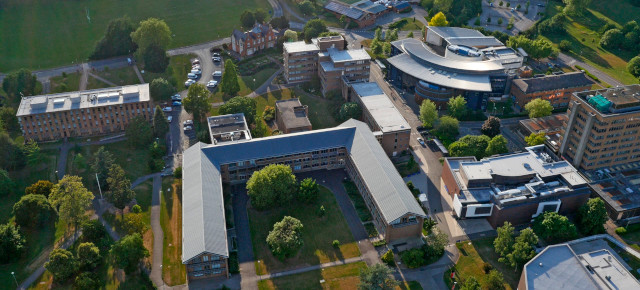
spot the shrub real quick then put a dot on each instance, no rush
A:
(621, 230)
(388, 258)
(336, 244)
(486, 267)
(269, 113)
(564, 45)
(413, 258)
(136, 209)
(379, 243)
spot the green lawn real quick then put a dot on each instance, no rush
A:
(471, 261)
(173, 271)
(410, 25)
(121, 76)
(42, 33)
(404, 169)
(60, 84)
(318, 234)
(337, 277)
(583, 34)
(260, 78)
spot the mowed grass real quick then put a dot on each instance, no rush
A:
(260, 78)
(411, 24)
(173, 271)
(337, 277)
(472, 257)
(42, 33)
(318, 234)
(582, 33)
(121, 76)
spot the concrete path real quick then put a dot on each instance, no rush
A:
(140, 78)
(101, 79)
(311, 268)
(158, 234)
(290, 12)
(84, 78)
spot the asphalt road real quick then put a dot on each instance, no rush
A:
(570, 61)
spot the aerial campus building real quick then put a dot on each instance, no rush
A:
(454, 61)
(83, 113)
(350, 146)
(513, 187)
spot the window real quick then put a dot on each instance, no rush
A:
(205, 258)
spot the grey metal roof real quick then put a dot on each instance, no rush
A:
(378, 104)
(553, 82)
(470, 82)
(203, 222)
(344, 9)
(475, 41)
(447, 32)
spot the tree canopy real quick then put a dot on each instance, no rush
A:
(20, 81)
(447, 127)
(247, 19)
(161, 90)
(155, 59)
(378, 276)
(33, 210)
(120, 193)
(128, 252)
(273, 185)
(197, 101)
(42, 187)
(160, 123)
(537, 49)
(470, 145)
(457, 107)
(88, 256)
(12, 244)
(538, 108)
(229, 83)
(100, 164)
(313, 28)
(62, 264)
(350, 110)
(592, 216)
(11, 153)
(497, 145)
(290, 36)
(554, 228)
(71, 199)
(116, 40)
(309, 190)
(428, 113)
(523, 249)
(439, 20)
(576, 7)
(491, 127)
(8, 120)
(634, 66)
(139, 133)
(239, 104)
(535, 139)
(260, 15)
(503, 244)
(286, 238)
(152, 31)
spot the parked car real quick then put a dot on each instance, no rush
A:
(187, 122)
(216, 74)
(176, 103)
(212, 84)
(216, 54)
(176, 97)
(195, 66)
(189, 82)
(167, 109)
(540, 5)
(192, 76)
(169, 118)
(421, 141)
(216, 59)
(195, 61)
(196, 72)
(187, 128)
(129, 61)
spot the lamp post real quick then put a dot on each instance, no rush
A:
(14, 279)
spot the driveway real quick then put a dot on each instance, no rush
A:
(248, 277)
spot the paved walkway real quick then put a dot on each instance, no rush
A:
(570, 61)
(140, 78)
(84, 78)
(158, 235)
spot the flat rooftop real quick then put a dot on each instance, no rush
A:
(83, 99)
(380, 107)
(559, 267)
(621, 190)
(299, 46)
(613, 100)
(348, 55)
(293, 113)
(225, 128)
(553, 123)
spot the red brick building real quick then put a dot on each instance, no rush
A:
(557, 89)
(260, 37)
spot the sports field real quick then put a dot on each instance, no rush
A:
(42, 34)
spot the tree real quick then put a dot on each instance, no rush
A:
(392, 36)
(87, 281)
(229, 83)
(537, 49)
(152, 31)
(71, 199)
(273, 185)
(269, 113)
(6, 184)
(503, 244)
(32, 151)
(62, 264)
(460, 149)
(471, 283)
(260, 15)
(612, 38)
(161, 90)
(42, 187)
(377, 34)
(535, 139)
(523, 249)
(286, 238)
(247, 19)
(116, 40)
(100, 164)
(350, 110)
(139, 133)
(439, 20)
(19, 82)
(554, 228)
(447, 127)
(120, 193)
(497, 145)
(378, 276)
(88, 256)
(8, 120)
(155, 59)
(313, 28)
(290, 36)
(33, 210)
(538, 108)
(634, 66)
(500, 21)
(11, 154)
(128, 252)
(306, 7)
(491, 127)
(133, 223)
(428, 113)
(12, 244)
(476, 145)
(564, 45)
(160, 123)
(435, 243)
(309, 190)
(93, 231)
(592, 216)
(279, 22)
(495, 280)
(576, 7)
(413, 258)
(457, 107)
(197, 101)
(410, 35)
(244, 105)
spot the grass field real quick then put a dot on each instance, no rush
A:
(173, 271)
(473, 256)
(42, 33)
(317, 234)
(410, 25)
(121, 76)
(260, 78)
(583, 34)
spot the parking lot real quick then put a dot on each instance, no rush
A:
(522, 21)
